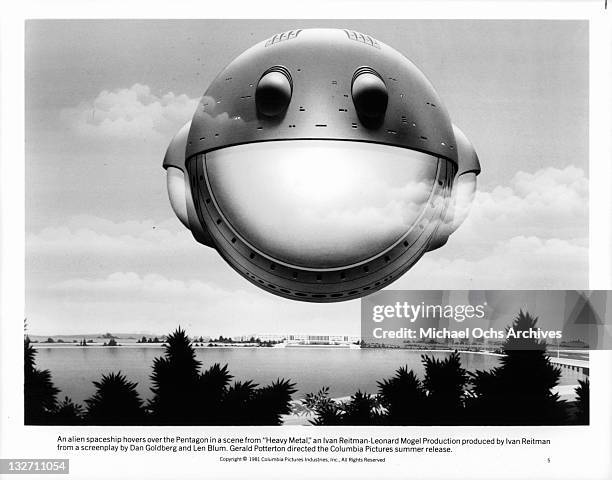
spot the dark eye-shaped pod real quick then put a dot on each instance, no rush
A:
(273, 92)
(369, 93)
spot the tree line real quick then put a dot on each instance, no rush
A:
(516, 392)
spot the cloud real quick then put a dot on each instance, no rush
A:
(127, 301)
(549, 203)
(92, 246)
(130, 113)
(126, 286)
(516, 263)
(87, 234)
(131, 302)
(529, 234)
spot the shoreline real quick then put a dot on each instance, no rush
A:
(301, 347)
(96, 345)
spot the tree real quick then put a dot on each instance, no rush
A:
(175, 382)
(326, 411)
(360, 409)
(582, 402)
(329, 414)
(518, 392)
(68, 413)
(40, 395)
(271, 402)
(313, 401)
(116, 402)
(445, 382)
(403, 398)
(184, 396)
(236, 406)
(211, 391)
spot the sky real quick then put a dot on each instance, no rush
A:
(104, 251)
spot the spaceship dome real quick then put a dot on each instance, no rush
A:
(320, 164)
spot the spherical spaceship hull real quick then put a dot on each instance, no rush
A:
(299, 280)
(321, 164)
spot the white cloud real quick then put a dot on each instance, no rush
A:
(530, 234)
(86, 234)
(126, 286)
(127, 301)
(517, 263)
(90, 246)
(549, 203)
(129, 113)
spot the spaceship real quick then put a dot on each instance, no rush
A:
(321, 164)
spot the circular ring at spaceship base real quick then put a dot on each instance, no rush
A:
(321, 165)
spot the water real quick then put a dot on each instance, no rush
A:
(343, 370)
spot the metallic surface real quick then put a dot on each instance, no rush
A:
(175, 184)
(468, 159)
(370, 95)
(464, 190)
(322, 63)
(320, 284)
(175, 158)
(273, 92)
(462, 197)
(320, 203)
(175, 154)
(321, 165)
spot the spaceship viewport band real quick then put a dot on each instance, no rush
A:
(321, 174)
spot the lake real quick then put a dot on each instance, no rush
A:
(343, 370)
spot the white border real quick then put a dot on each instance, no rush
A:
(578, 452)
